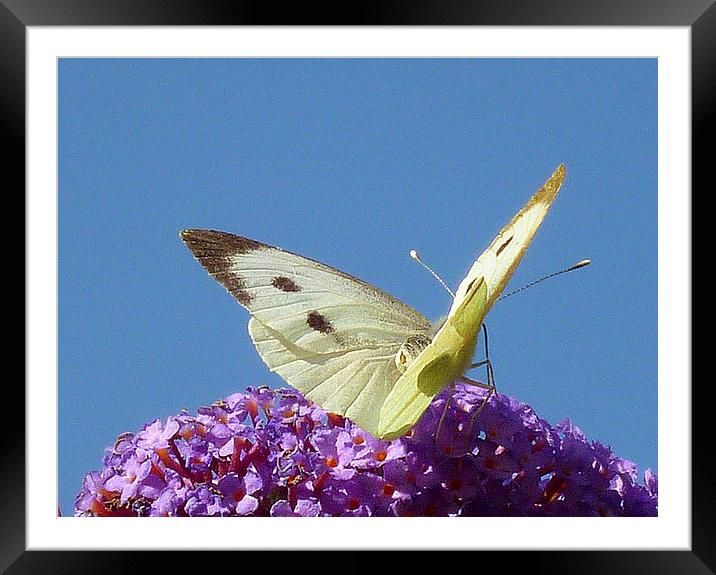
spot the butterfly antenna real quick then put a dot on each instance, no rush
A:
(576, 266)
(416, 257)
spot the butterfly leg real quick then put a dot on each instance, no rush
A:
(476, 383)
(488, 366)
(490, 385)
(444, 413)
(491, 391)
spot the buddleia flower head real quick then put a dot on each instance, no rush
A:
(271, 452)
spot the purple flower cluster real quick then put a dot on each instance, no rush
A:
(273, 453)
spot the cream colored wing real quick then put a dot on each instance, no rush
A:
(353, 383)
(328, 334)
(499, 261)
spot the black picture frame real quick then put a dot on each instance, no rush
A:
(17, 15)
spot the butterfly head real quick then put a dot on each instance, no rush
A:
(411, 349)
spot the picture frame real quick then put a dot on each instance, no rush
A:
(700, 17)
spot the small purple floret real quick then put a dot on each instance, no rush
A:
(273, 453)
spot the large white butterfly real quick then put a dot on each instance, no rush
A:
(350, 347)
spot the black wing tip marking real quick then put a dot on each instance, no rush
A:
(217, 243)
(214, 250)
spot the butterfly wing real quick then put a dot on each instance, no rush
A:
(330, 335)
(452, 347)
(499, 261)
(353, 383)
(443, 361)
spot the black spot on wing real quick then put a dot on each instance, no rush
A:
(503, 246)
(319, 323)
(472, 283)
(285, 284)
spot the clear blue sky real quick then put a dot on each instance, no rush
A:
(353, 163)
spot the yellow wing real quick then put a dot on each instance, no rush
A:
(500, 260)
(450, 351)
(443, 361)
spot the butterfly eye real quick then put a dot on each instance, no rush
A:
(401, 361)
(410, 350)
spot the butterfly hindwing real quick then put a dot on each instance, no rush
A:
(443, 361)
(353, 383)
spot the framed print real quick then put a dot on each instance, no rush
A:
(162, 145)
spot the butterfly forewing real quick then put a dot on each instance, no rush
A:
(499, 261)
(313, 306)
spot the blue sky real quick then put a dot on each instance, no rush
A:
(353, 163)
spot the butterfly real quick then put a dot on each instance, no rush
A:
(350, 347)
